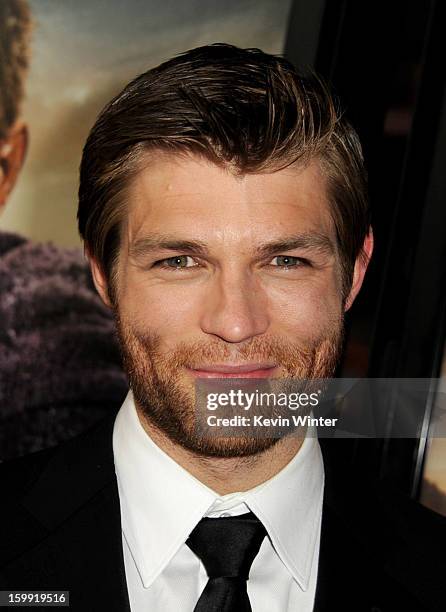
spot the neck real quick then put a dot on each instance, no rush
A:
(224, 475)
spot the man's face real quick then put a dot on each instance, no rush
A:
(12, 155)
(224, 276)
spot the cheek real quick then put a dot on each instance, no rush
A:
(169, 311)
(306, 310)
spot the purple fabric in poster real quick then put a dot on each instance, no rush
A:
(59, 362)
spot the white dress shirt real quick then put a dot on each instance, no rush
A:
(161, 503)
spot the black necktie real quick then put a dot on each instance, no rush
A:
(227, 547)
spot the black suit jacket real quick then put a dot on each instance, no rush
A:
(61, 530)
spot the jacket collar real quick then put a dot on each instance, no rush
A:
(76, 499)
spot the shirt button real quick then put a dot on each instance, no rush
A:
(225, 514)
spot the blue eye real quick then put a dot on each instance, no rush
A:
(287, 261)
(176, 263)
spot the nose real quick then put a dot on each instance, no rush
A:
(235, 309)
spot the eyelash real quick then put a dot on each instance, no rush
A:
(162, 263)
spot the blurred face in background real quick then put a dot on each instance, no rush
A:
(15, 28)
(12, 155)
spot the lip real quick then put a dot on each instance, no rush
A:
(228, 370)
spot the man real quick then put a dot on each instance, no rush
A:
(60, 368)
(223, 207)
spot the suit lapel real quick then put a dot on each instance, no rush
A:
(361, 550)
(76, 500)
(343, 579)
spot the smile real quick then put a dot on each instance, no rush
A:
(225, 370)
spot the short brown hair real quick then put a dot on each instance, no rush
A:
(15, 29)
(240, 108)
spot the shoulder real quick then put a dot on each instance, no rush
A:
(41, 490)
(91, 448)
(18, 474)
(19, 528)
(367, 503)
(392, 544)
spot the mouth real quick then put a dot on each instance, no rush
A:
(227, 370)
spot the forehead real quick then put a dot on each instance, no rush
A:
(198, 199)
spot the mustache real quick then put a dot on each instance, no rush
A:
(294, 357)
(195, 354)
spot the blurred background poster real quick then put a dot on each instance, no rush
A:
(82, 53)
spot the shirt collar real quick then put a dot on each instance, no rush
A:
(290, 507)
(161, 502)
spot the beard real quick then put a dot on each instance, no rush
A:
(166, 400)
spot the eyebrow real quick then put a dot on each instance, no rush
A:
(157, 242)
(312, 242)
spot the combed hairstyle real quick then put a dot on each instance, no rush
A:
(242, 109)
(15, 26)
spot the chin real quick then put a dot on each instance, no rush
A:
(227, 448)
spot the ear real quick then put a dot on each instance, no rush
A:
(100, 282)
(12, 155)
(361, 264)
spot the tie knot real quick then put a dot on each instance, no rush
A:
(227, 546)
